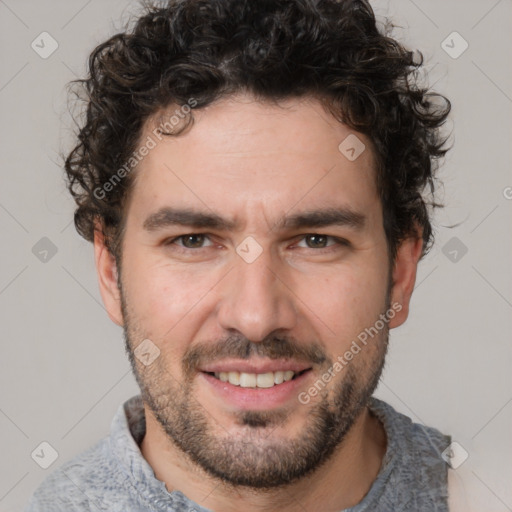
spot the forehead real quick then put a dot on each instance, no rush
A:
(242, 154)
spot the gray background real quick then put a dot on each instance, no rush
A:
(64, 372)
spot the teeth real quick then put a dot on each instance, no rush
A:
(288, 375)
(278, 377)
(253, 380)
(265, 380)
(247, 380)
(234, 378)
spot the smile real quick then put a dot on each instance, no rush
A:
(256, 380)
(256, 384)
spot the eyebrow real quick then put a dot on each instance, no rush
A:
(318, 218)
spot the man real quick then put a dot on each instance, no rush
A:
(251, 175)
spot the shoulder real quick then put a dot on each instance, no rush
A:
(403, 433)
(97, 477)
(78, 484)
(415, 456)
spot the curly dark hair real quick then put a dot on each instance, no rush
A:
(209, 49)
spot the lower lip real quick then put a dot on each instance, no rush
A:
(257, 398)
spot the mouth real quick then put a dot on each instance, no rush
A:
(255, 385)
(257, 380)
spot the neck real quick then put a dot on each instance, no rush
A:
(340, 483)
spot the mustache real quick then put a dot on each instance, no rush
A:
(239, 347)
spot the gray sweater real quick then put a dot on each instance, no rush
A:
(113, 475)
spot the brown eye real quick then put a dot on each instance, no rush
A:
(190, 241)
(319, 241)
(316, 241)
(322, 243)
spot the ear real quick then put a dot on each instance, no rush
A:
(106, 269)
(404, 277)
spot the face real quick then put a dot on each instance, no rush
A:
(254, 260)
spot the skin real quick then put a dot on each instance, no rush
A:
(255, 163)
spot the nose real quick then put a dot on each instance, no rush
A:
(256, 300)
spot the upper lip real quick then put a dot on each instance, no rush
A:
(264, 366)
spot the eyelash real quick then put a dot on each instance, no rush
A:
(340, 242)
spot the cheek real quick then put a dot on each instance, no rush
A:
(163, 295)
(346, 301)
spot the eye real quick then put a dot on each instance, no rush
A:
(196, 241)
(190, 241)
(319, 241)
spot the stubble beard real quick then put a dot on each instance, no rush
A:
(255, 457)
